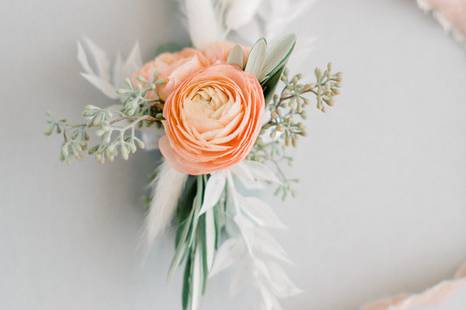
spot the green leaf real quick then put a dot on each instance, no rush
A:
(219, 222)
(270, 84)
(187, 283)
(197, 280)
(197, 204)
(193, 281)
(202, 248)
(182, 246)
(185, 205)
(210, 241)
(236, 56)
(278, 55)
(185, 239)
(195, 241)
(49, 130)
(256, 58)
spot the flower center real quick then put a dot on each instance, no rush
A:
(210, 109)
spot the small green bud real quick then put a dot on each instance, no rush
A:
(132, 147)
(287, 140)
(307, 87)
(124, 151)
(318, 74)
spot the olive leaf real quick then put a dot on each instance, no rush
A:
(256, 58)
(236, 56)
(277, 56)
(269, 85)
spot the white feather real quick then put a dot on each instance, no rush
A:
(167, 190)
(203, 22)
(101, 84)
(83, 60)
(123, 69)
(281, 15)
(240, 12)
(100, 76)
(118, 70)
(100, 58)
(247, 20)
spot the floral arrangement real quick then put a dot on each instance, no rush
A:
(224, 116)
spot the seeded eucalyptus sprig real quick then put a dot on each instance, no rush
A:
(140, 98)
(287, 111)
(115, 131)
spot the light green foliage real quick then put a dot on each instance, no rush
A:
(236, 56)
(192, 240)
(268, 62)
(256, 58)
(287, 112)
(115, 131)
(135, 100)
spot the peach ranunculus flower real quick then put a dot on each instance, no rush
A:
(212, 120)
(218, 52)
(173, 68)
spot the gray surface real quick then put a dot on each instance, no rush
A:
(381, 206)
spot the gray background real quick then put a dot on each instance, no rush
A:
(381, 206)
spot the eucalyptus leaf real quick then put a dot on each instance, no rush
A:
(236, 56)
(256, 59)
(277, 55)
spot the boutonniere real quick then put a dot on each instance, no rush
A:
(224, 116)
